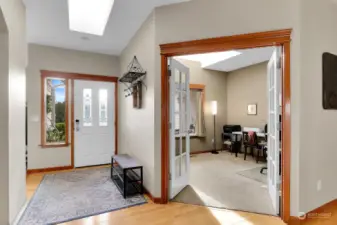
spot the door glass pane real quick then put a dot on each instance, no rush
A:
(183, 144)
(183, 113)
(177, 167)
(183, 164)
(176, 113)
(103, 107)
(183, 81)
(87, 107)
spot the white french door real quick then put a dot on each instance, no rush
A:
(274, 126)
(94, 110)
(179, 127)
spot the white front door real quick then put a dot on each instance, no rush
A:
(274, 144)
(179, 127)
(94, 122)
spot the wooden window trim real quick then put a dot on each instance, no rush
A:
(200, 87)
(44, 144)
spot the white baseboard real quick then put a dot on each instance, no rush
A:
(18, 217)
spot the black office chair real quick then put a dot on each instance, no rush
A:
(249, 141)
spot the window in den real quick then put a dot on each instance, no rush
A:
(197, 115)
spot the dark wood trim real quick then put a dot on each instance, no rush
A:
(49, 169)
(153, 199)
(164, 130)
(43, 113)
(78, 76)
(242, 41)
(286, 134)
(198, 86)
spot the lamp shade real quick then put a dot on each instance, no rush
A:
(214, 107)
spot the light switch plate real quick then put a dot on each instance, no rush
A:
(319, 185)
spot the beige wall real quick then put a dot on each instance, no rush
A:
(56, 59)
(318, 126)
(200, 19)
(4, 124)
(136, 126)
(12, 133)
(215, 90)
(247, 86)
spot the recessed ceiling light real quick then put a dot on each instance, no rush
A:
(210, 58)
(89, 16)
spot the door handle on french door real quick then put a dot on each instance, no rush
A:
(77, 125)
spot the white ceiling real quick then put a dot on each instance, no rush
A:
(247, 57)
(47, 24)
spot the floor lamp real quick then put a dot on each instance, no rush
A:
(214, 112)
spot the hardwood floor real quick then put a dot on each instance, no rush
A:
(170, 214)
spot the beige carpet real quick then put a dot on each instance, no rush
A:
(224, 181)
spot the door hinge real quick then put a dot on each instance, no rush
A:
(279, 63)
(169, 72)
(170, 126)
(279, 125)
(170, 176)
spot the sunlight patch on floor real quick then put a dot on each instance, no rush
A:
(226, 217)
(206, 198)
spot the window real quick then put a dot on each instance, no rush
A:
(54, 113)
(103, 107)
(87, 107)
(197, 118)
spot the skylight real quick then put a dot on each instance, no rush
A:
(89, 16)
(210, 58)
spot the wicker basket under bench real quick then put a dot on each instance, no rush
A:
(127, 174)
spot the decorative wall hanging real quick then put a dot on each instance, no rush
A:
(329, 81)
(252, 109)
(133, 80)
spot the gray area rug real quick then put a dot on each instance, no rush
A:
(255, 174)
(73, 195)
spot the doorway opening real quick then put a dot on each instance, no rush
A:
(176, 142)
(221, 106)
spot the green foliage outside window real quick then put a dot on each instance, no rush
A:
(49, 104)
(57, 133)
(60, 110)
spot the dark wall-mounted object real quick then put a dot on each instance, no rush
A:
(133, 80)
(329, 81)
